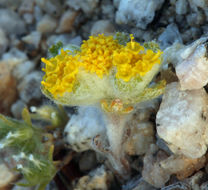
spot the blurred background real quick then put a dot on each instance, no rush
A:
(29, 27)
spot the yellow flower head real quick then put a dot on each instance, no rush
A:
(97, 54)
(60, 73)
(132, 60)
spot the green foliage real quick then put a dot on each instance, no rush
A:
(54, 49)
(152, 45)
(37, 170)
(55, 115)
(33, 157)
(122, 37)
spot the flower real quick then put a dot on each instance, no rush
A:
(60, 73)
(97, 54)
(101, 68)
(133, 60)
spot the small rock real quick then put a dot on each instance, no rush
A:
(8, 90)
(87, 161)
(193, 70)
(177, 186)
(138, 33)
(107, 9)
(86, 28)
(143, 185)
(180, 20)
(28, 18)
(199, 3)
(38, 14)
(6, 176)
(168, 75)
(98, 179)
(162, 145)
(11, 22)
(82, 128)
(26, 7)
(140, 138)
(14, 55)
(181, 166)
(76, 40)
(66, 21)
(102, 27)
(191, 34)
(181, 120)
(52, 186)
(53, 39)
(196, 19)
(11, 4)
(47, 24)
(137, 183)
(196, 33)
(142, 115)
(149, 35)
(21, 70)
(152, 172)
(139, 12)
(181, 7)
(87, 6)
(171, 55)
(196, 180)
(29, 88)
(52, 7)
(116, 3)
(170, 36)
(17, 108)
(33, 39)
(168, 13)
(204, 186)
(4, 42)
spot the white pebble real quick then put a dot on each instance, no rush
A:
(181, 120)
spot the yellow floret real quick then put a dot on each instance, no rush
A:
(132, 60)
(60, 73)
(97, 54)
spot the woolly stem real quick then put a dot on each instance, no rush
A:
(115, 132)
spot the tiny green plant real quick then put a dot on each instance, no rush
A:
(33, 157)
(54, 49)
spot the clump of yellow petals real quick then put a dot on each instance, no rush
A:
(99, 54)
(134, 60)
(60, 73)
(96, 54)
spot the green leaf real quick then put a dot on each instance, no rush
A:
(23, 184)
(122, 37)
(26, 116)
(34, 158)
(42, 186)
(152, 45)
(7, 121)
(54, 49)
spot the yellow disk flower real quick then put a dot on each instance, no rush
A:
(132, 60)
(60, 73)
(97, 54)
